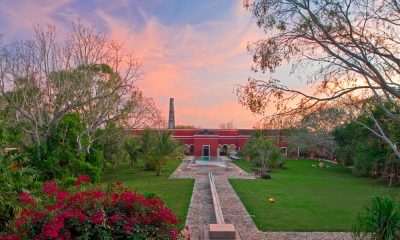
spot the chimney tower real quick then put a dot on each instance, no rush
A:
(171, 120)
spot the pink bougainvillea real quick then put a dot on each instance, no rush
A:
(115, 214)
(82, 179)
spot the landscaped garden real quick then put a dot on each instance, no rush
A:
(176, 193)
(307, 198)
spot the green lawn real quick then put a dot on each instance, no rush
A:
(307, 198)
(176, 193)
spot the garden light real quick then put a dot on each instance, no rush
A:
(271, 200)
(240, 172)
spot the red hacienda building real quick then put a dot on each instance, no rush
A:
(208, 142)
(205, 142)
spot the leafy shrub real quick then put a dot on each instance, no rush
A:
(381, 220)
(87, 213)
(15, 176)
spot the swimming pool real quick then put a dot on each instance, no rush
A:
(206, 159)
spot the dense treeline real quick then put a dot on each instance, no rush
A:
(359, 146)
(350, 137)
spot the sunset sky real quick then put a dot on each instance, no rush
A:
(194, 51)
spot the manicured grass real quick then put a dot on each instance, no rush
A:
(308, 198)
(176, 193)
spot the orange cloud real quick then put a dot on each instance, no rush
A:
(198, 65)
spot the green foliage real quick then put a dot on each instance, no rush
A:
(60, 157)
(15, 176)
(146, 150)
(132, 147)
(370, 155)
(10, 131)
(264, 151)
(112, 141)
(379, 221)
(165, 148)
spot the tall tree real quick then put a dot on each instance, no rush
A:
(44, 78)
(350, 47)
(314, 131)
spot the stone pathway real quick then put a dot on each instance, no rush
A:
(201, 210)
(234, 211)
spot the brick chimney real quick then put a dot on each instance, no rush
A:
(171, 119)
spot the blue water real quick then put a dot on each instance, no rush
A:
(207, 158)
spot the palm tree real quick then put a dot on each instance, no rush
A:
(132, 147)
(146, 149)
(165, 148)
(264, 150)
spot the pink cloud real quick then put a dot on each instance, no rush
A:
(198, 65)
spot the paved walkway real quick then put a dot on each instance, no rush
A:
(201, 210)
(234, 211)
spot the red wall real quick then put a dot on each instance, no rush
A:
(191, 136)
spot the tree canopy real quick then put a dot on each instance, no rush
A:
(349, 48)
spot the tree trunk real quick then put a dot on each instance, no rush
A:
(159, 170)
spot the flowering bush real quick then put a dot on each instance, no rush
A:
(87, 213)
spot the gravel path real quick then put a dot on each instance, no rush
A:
(201, 210)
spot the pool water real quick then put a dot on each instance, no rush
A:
(207, 159)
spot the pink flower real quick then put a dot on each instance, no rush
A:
(115, 218)
(82, 179)
(51, 229)
(26, 198)
(74, 213)
(97, 217)
(62, 195)
(127, 228)
(10, 237)
(50, 189)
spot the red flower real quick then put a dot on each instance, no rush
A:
(127, 228)
(62, 195)
(74, 213)
(115, 218)
(51, 229)
(97, 217)
(26, 198)
(10, 237)
(122, 211)
(50, 189)
(82, 179)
